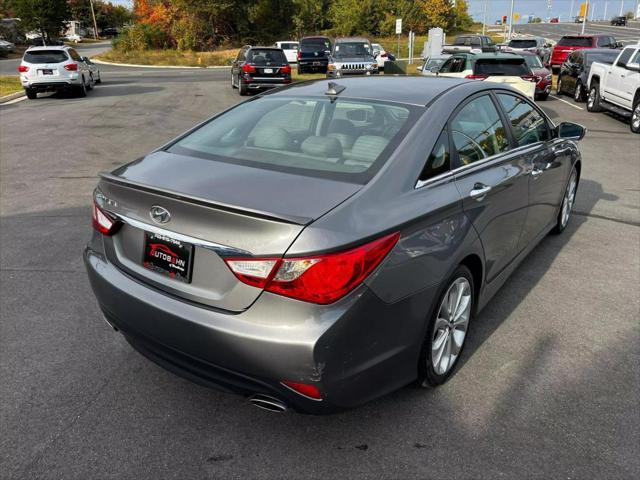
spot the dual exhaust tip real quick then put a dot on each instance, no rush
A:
(265, 402)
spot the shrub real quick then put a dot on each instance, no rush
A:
(141, 37)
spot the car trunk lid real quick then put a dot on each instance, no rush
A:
(216, 210)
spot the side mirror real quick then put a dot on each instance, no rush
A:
(635, 67)
(571, 131)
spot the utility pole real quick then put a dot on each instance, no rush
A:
(510, 21)
(621, 6)
(584, 19)
(484, 17)
(571, 11)
(95, 25)
(606, 4)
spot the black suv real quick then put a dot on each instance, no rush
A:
(259, 68)
(313, 54)
(477, 42)
(620, 21)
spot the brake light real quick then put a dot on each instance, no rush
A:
(530, 78)
(477, 77)
(72, 67)
(103, 222)
(384, 55)
(286, 69)
(305, 389)
(23, 68)
(299, 54)
(320, 279)
(246, 68)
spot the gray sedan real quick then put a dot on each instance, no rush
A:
(326, 243)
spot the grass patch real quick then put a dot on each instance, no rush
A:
(9, 84)
(296, 77)
(166, 58)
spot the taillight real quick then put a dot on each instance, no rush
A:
(320, 279)
(477, 77)
(246, 68)
(305, 389)
(299, 54)
(530, 78)
(285, 69)
(23, 68)
(103, 222)
(72, 67)
(384, 55)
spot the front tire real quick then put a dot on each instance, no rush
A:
(578, 94)
(447, 329)
(593, 102)
(635, 117)
(567, 203)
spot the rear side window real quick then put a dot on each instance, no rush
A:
(575, 42)
(604, 42)
(289, 46)
(501, 67)
(266, 57)
(624, 57)
(439, 159)
(341, 139)
(478, 131)
(453, 65)
(528, 125)
(467, 41)
(45, 56)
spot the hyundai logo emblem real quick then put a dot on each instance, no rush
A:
(159, 214)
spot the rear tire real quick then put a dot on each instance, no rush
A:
(543, 96)
(578, 93)
(593, 101)
(233, 85)
(568, 201)
(81, 91)
(242, 88)
(31, 93)
(559, 88)
(447, 332)
(635, 117)
(91, 83)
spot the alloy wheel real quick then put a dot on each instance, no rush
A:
(577, 94)
(592, 97)
(635, 118)
(450, 329)
(569, 198)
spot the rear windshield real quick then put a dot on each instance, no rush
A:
(289, 46)
(533, 61)
(315, 45)
(522, 43)
(603, 57)
(501, 67)
(46, 56)
(575, 42)
(467, 41)
(266, 57)
(351, 49)
(347, 140)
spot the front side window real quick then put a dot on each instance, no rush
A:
(478, 132)
(624, 57)
(343, 140)
(438, 161)
(75, 55)
(604, 42)
(528, 125)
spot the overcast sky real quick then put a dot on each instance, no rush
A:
(497, 8)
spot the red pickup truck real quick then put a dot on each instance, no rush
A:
(569, 43)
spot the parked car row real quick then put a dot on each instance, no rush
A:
(57, 68)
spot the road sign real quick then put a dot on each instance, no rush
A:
(398, 26)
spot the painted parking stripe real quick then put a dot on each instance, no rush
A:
(568, 103)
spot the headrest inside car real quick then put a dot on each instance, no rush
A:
(275, 138)
(327, 147)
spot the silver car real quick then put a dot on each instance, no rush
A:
(325, 243)
(54, 68)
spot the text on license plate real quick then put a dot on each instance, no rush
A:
(268, 70)
(168, 256)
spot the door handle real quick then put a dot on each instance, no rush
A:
(479, 191)
(536, 172)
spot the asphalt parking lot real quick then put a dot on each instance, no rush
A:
(548, 386)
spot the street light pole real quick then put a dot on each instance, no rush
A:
(571, 11)
(606, 4)
(621, 6)
(511, 21)
(484, 17)
(584, 19)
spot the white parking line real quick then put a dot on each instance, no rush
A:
(564, 101)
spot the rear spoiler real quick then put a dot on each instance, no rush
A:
(111, 178)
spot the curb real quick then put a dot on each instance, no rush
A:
(103, 62)
(11, 96)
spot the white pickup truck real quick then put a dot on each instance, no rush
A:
(616, 87)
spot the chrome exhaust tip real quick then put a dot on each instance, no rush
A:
(266, 402)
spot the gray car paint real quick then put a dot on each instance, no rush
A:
(368, 342)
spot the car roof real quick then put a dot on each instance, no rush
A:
(414, 90)
(315, 37)
(264, 48)
(50, 47)
(352, 39)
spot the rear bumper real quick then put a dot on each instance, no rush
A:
(354, 350)
(263, 85)
(51, 85)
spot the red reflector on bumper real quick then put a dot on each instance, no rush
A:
(310, 391)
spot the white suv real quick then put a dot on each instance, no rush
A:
(54, 68)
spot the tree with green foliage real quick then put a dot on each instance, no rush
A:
(47, 17)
